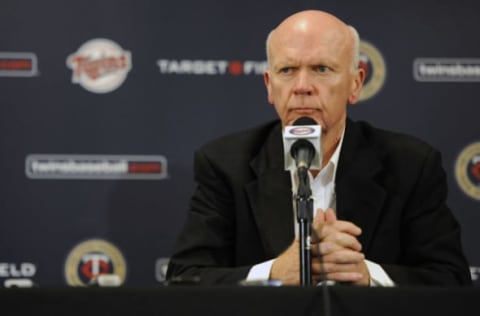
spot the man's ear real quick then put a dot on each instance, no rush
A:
(357, 85)
(266, 80)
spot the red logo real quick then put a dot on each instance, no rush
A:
(18, 64)
(100, 65)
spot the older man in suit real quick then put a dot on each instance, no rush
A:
(379, 197)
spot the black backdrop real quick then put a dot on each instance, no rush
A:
(103, 102)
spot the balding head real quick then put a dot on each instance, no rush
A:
(313, 70)
(310, 25)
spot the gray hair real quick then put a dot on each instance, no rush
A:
(355, 49)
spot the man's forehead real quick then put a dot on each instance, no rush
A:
(308, 46)
(282, 60)
(304, 37)
(311, 20)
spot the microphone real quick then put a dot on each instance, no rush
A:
(302, 144)
(301, 149)
(303, 152)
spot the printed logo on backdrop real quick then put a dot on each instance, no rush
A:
(372, 61)
(133, 167)
(446, 69)
(211, 67)
(467, 170)
(91, 259)
(100, 65)
(14, 64)
(17, 274)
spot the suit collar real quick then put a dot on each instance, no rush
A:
(270, 195)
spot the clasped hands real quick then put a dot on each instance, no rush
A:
(339, 248)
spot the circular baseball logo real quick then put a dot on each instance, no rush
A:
(302, 130)
(91, 258)
(100, 65)
(467, 170)
(372, 62)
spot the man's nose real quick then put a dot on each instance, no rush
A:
(303, 84)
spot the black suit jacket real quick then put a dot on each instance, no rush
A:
(391, 185)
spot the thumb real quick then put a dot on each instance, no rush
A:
(330, 215)
(319, 217)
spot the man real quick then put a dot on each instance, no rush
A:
(380, 212)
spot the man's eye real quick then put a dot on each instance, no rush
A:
(321, 69)
(286, 70)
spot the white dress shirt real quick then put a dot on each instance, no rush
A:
(323, 195)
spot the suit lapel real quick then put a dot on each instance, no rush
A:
(359, 197)
(270, 196)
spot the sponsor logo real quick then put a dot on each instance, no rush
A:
(446, 69)
(17, 270)
(92, 258)
(10, 283)
(211, 67)
(302, 130)
(18, 64)
(17, 274)
(100, 65)
(467, 170)
(372, 61)
(52, 166)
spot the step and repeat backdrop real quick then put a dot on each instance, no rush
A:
(102, 104)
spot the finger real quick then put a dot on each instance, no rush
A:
(319, 217)
(328, 251)
(324, 248)
(347, 227)
(319, 267)
(330, 215)
(340, 227)
(344, 276)
(344, 240)
(343, 257)
(341, 272)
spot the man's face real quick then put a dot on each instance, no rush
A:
(310, 74)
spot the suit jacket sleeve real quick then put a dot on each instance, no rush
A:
(431, 249)
(205, 250)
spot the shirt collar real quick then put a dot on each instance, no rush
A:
(333, 162)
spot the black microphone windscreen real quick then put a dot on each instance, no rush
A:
(304, 120)
(301, 143)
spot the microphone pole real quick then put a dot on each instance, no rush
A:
(303, 141)
(304, 218)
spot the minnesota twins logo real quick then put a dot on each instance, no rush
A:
(375, 72)
(100, 65)
(91, 258)
(467, 170)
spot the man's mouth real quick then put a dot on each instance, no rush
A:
(304, 111)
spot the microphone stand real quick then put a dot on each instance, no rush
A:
(304, 217)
